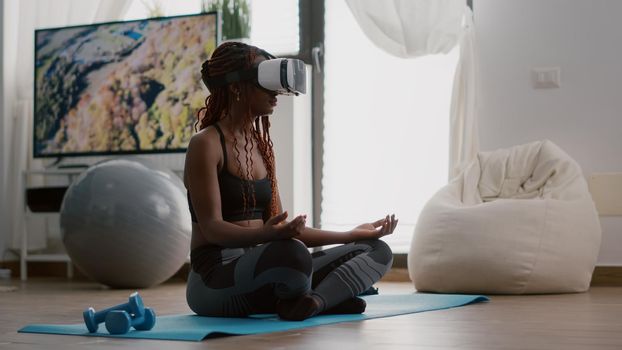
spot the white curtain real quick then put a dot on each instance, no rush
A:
(19, 56)
(415, 28)
(385, 129)
(464, 135)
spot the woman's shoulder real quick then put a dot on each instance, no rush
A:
(204, 148)
(204, 138)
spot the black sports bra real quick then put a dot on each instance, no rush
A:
(233, 191)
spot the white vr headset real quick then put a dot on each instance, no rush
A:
(285, 76)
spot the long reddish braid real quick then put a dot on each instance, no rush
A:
(264, 142)
(228, 57)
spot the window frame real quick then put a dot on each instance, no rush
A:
(311, 43)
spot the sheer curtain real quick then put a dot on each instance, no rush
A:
(464, 135)
(19, 61)
(416, 28)
(387, 119)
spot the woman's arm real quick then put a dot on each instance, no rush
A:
(313, 237)
(229, 235)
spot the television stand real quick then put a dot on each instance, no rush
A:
(73, 166)
(43, 201)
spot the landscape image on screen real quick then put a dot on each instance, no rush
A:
(126, 87)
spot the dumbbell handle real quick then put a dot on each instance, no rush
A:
(134, 306)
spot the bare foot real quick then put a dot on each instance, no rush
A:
(354, 305)
(298, 309)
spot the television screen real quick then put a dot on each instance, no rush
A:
(120, 87)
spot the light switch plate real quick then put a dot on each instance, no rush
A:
(545, 77)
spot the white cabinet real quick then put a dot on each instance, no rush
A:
(28, 176)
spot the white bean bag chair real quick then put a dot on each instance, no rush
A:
(515, 221)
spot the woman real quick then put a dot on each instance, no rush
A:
(246, 258)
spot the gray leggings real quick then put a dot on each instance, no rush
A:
(239, 282)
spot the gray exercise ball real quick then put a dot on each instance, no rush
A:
(125, 223)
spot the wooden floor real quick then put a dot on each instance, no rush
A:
(573, 321)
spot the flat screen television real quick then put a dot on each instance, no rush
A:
(120, 87)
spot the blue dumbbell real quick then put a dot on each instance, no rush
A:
(120, 322)
(92, 319)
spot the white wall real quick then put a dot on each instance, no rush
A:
(584, 115)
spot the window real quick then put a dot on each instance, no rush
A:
(139, 9)
(386, 129)
(274, 28)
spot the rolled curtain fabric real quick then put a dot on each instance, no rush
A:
(415, 28)
(411, 28)
(463, 133)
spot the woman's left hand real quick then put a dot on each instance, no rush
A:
(375, 229)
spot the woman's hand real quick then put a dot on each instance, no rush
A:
(278, 229)
(375, 229)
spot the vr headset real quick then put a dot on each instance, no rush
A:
(284, 76)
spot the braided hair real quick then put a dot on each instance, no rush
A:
(229, 57)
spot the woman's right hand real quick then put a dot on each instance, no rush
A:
(277, 229)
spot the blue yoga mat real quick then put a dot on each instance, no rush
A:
(197, 328)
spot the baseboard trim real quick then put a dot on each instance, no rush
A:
(602, 276)
(607, 276)
(396, 274)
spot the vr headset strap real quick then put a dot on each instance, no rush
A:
(284, 74)
(232, 77)
(241, 75)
